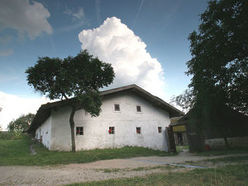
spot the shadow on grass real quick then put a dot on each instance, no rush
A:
(224, 151)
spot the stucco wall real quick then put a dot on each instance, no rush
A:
(233, 142)
(61, 132)
(125, 122)
(43, 133)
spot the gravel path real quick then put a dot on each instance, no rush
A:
(100, 170)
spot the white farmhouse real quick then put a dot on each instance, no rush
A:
(130, 116)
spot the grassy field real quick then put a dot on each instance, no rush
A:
(224, 151)
(17, 152)
(226, 176)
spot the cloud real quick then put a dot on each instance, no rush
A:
(115, 43)
(71, 27)
(78, 20)
(78, 15)
(14, 106)
(7, 52)
(25, 17)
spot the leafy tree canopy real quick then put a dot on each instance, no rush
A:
(21, 124)
(219, 49)
(79, 77)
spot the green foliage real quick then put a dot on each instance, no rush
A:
(219, 67)
(17, 152)
(7, 135)
(219, 56)
(79, 77)
(185, 100)
(21, 124)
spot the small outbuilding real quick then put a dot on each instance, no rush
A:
(227, 127)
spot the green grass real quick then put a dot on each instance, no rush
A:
(228, 175)
(5, 135)
(181, 148)
(234, 150)
(220, 161)
(17, 152)
(237, 159)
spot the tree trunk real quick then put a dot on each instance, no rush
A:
(72, 125)
(226, 142)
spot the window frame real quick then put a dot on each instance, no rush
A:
(137, 110)
(111, 130)
(159, 129)
(138, 130)
(118, 106)
(81, 132)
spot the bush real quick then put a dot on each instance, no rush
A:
(6, 135)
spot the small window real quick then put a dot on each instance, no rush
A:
(111, 130)
(138, 130)
(159, 129)
(79, 131)
(138, 108)
(117, 107)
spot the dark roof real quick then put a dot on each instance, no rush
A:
(45, 110)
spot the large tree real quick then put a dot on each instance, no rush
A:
(219, 66)
(219, 63)
(21, 124)
(77, 77)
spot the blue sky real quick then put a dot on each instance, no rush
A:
(29, 29)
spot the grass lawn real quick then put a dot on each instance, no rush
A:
(234, 150)
(228, 175)
(181, 148)
(17, 152)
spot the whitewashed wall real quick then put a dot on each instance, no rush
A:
(61, 132)
(44, 132)
(125, 122)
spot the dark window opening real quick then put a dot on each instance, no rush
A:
(79, 131)
(138, 108)
(111, 130)
(159, 129)
(117, 107)
(138, 130)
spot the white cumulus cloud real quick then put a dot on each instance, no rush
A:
(24, 16)
(115, 43)
(13, 106)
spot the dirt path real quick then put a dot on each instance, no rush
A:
(100, 170)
